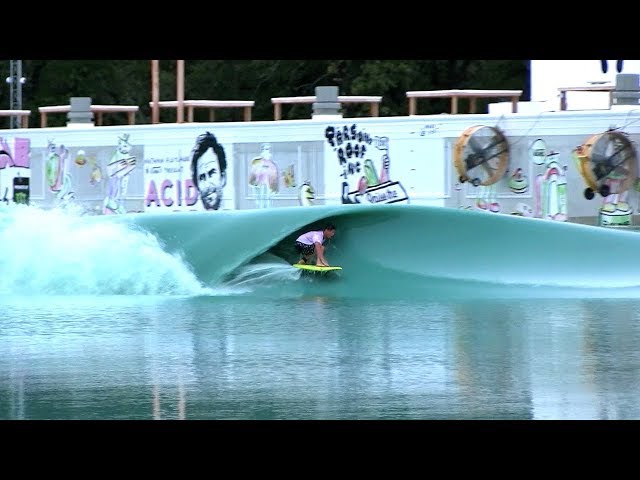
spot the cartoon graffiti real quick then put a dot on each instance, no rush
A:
(14, 171)
(357, 152)
(306, 194)
(95, 177)
(57, 172)
(54, 165)
(263, 177)
(616, 201)
(209, 170)
(288, 177)
(551, 190)
(119, 167)
(487, 200)
(538, 152)
(615, 208)
(523, 209)
(518, 182)
(81, 158)
(607, 163)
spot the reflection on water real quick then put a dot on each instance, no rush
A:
(317, 357)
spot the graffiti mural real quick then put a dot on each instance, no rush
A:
(277, 174)
(551, 189)
(57, 172)
(263, 177)
(608, 165)
(169, 184)
(120, 165)
(94, 179)
(365, 166)
(506, 193)
(306, 194)
(209, 170)
(289, 176)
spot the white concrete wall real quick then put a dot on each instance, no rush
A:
(418, 153)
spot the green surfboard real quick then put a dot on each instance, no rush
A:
(315, 268)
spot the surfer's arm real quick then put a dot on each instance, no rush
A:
(320, 255)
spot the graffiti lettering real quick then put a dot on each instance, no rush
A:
(429, 128)
(341, 158)
(350, 145)
(350, 168)
(337, 136)
(168, 197)
(20, 156)
(388, 192)
(382, 197)
(357, 151)
(5, 160)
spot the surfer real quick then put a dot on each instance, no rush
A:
(312, 242)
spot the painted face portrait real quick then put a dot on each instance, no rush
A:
(209, 165)
(209, 182)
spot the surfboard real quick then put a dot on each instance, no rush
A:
(315, 268)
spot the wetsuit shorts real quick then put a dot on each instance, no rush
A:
(304, 249)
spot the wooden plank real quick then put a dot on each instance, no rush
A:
(463, 93)
(341, 99)
(373, 100)
(207, 103)
(585, 88)
(99, 110)
(455, 94)
(211, 105)
(22, 114)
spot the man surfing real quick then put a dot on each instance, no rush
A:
(311, 243)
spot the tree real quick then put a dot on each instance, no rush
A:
(128, 82)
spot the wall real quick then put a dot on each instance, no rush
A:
(147, 168)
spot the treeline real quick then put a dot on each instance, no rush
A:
(128, 82)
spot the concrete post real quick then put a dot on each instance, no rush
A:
(627, 90)
(326, 103)
(80, 114)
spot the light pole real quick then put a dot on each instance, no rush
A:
(15, 81)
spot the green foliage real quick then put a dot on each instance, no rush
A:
(128, 82)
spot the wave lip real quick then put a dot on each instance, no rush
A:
(57, 252)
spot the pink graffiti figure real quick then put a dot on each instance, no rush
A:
(119, 167)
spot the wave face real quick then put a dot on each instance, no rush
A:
(401, 251)
(386, 251)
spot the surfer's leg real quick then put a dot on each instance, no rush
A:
(305, 252)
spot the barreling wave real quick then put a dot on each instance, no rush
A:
(386, 251)
(396, 251)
